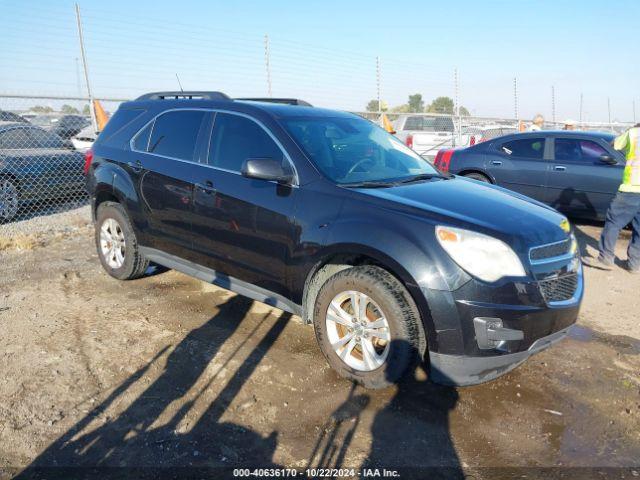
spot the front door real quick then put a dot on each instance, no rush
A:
(164, 163)
(243, 227)
(579, 183)
(520, 165)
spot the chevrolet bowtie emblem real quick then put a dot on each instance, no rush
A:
(565, 226)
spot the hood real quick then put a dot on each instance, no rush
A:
(477, 206)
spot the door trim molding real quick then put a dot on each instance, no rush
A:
(221, 280)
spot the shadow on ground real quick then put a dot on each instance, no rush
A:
(143, 441)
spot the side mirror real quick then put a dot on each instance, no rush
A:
(608, 159)
(266, 169)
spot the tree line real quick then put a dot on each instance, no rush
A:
(415, 104)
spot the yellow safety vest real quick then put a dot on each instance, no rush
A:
(629, 143)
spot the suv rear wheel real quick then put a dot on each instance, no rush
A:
(9, 199)
(367, 326)
(117, 244)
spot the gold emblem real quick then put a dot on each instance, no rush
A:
(565, 225)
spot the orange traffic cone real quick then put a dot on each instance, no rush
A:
(101, 116)
(386, 124)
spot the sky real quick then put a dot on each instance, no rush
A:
(325, 51)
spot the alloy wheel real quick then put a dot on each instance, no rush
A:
(358, 330)
(112, 243)
(9, 202)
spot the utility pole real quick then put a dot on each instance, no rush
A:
(553, 104)
(581, 104)
(515, 97)
(78, 82)
(456, 104)
(633, 104)
(86, 71)
(267, 61)
(378, 84)
(609, 113)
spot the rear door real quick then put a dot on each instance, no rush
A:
(519, 164)
(579, 183)
(243, 227)
(164, 165)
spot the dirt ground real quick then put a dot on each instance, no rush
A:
(167, 371)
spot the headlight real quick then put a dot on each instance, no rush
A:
(482, 256)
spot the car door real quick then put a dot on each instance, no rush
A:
(243, 227)
(519, 164)
(579, 182)
(162, 164)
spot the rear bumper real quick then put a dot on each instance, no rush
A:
(460, 370)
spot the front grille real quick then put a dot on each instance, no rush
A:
(559, 289)
(550, 251)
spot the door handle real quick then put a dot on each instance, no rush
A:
(136, 167)
(206, 187)
(559, 168)
(496, 162)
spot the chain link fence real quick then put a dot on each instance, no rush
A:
(43, 140)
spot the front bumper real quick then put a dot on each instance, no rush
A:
(461, 371)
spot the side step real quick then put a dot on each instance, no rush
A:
(221, 280)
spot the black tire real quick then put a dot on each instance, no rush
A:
(477, 176)
(406, 333)
(9, 199)
(135, 264)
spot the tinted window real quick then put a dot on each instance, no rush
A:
(429, 124)
(174, 134)
(142, 139)
(526, 148)
(16, 138)
(575, 150)
(43, 139)
(236, 139)
(352, 149)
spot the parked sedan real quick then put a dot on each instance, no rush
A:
(35, 168)
(577, 173)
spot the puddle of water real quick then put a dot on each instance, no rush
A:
(620, 343)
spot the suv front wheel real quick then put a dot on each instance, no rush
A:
(367, 326)
(117, 244)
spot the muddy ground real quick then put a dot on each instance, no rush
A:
(167, 371)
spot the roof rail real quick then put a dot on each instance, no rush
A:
(286, 101)
(184, 95)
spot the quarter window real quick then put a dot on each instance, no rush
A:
(524, 148)
(174, 134)
(235, 139)
(141, 141)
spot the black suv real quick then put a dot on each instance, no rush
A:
(323, 214)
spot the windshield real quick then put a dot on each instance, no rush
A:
(354, 150)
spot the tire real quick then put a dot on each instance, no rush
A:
(9, 199)
(397, 347)
(116, 243)
(478, 176)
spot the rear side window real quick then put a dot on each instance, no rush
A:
(235, 139)
(174, 134)
(429, 124)
(141, 141)
(524, 148)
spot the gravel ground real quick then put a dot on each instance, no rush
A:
(167, 371)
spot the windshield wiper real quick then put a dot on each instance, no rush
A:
(369, 184)
(417, 178)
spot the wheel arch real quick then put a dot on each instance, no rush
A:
(467, 171)
(341, 257)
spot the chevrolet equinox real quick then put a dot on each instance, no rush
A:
(325, 215)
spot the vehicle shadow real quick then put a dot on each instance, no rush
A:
(569, 199)
(145, 440)
(410, 434)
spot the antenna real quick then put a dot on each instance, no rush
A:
(179, 84)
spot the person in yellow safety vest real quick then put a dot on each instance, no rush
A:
(625, 207)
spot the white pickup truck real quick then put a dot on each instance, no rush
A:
(426, 134)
